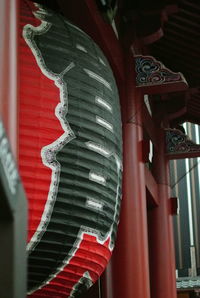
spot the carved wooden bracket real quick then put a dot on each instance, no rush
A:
(154, 78)
(179, 146)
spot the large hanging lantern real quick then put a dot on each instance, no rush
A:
(69, 153)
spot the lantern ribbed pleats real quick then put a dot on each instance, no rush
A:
(69, 153)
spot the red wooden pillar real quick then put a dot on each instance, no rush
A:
(12, 227)
(130, 269)
(9, 19)
(107, 281)
(161, 248)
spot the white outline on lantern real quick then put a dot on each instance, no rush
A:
(48, 152)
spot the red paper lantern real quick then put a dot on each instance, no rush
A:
(69, 153)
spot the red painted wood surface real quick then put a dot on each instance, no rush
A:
(130, 268)
(13, 231)
(161, 247)
(183, 155)
(165, 88)
(107, 286)
(130, 260)
(9, 68)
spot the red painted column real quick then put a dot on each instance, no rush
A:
(106, 282)
(130, 268)
(161, 248)
(9, 20)
(13, 269)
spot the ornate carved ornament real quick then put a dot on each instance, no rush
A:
(179, 146)
(153, 77)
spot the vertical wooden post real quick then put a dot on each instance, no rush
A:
(130, 268)
(13, 218)
(107, 282)
(161, 248)
(9, 24)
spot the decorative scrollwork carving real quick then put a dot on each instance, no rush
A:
(179, 144)
(150, 72)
